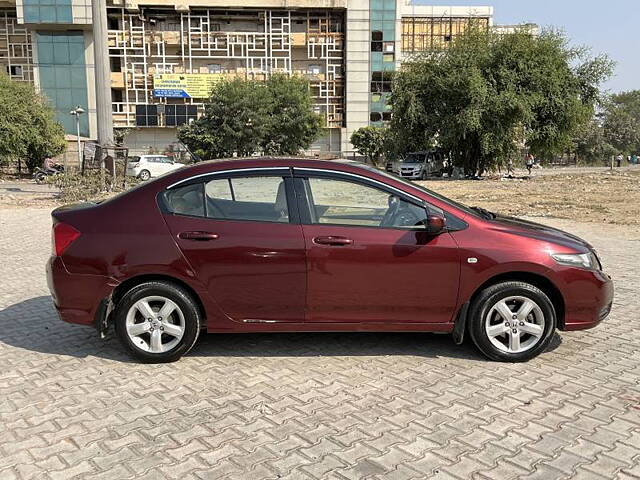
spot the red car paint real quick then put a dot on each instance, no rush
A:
(258, 276)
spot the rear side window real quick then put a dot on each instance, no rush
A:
(261, 199)
(188, 200)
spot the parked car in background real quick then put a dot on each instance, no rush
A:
(149, 166)
(420, 165)
(285, 245)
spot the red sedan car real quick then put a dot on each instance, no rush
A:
(274, 245)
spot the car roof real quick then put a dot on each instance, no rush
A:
(265, 162)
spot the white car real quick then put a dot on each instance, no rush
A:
(146, 166)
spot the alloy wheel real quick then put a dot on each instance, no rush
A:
(515, 324)
(155, 324)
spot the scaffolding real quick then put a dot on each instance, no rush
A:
(248, 44)
(16, 52)
(423, 34)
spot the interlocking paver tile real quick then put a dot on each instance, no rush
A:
(298, 406)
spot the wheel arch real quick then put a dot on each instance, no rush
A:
(535, 279)
(129, 283)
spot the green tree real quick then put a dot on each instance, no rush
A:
(292, 125)
(371, 142)
(245, 117)
(28, 130)
(622, 121)
(487, 92)
(590, 144)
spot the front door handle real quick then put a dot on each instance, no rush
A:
(198, 236)
(331, 240)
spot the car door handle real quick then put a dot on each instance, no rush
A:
(331, 240)
(198, 236)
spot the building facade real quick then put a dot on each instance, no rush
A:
(164, 56)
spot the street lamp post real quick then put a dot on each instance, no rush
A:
(76, 112)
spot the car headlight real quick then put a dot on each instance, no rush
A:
(581, 260)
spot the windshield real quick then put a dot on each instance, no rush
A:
(414, 158)
(453, 203)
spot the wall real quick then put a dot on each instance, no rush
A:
(357, 69)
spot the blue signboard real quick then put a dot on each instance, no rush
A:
(170, 93)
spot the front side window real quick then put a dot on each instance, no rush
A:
(247, 198)
(342, 202)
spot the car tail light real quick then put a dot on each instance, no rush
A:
(63, 236)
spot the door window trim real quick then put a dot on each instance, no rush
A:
(241, 172)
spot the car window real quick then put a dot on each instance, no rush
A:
(344, 202)
(188, 200)
(247, 198)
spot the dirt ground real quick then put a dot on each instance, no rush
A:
(597, 197)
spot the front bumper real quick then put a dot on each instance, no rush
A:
(411, 176)
(77, 297)
(589, 299)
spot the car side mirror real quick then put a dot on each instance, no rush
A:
(435, 224)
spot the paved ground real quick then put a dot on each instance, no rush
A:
(311, 405)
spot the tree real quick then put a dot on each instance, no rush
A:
(590, 144)
(292, 125)
(486, 93)
(28, 130)
(245, 117)
(622, 121)
(370, 142)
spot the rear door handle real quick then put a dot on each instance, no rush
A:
(198, 236)
(331, 240)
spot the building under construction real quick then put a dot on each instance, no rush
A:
(164, 57)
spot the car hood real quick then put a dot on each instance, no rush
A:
(525, 228)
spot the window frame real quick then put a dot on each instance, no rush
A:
(282, 172)
(304, 195)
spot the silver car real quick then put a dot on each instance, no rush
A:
(420, 165)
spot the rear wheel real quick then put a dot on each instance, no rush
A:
(157, 322)
(512, 321)
(144, 175)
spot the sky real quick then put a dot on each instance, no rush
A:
(607, 26)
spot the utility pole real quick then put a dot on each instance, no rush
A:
(76, 112)
(103, 74)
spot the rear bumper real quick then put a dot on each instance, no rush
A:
(589, 300)
(76, 297)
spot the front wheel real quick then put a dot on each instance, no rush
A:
(512, 321)
(158, 322)
(40, 177)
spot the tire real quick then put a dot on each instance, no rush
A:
(509, 341)
(39, 178)
(423, 175)
(144, 175)
(140, 336)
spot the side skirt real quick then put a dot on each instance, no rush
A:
(336, 327)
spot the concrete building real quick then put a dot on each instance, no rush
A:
(164, 55)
